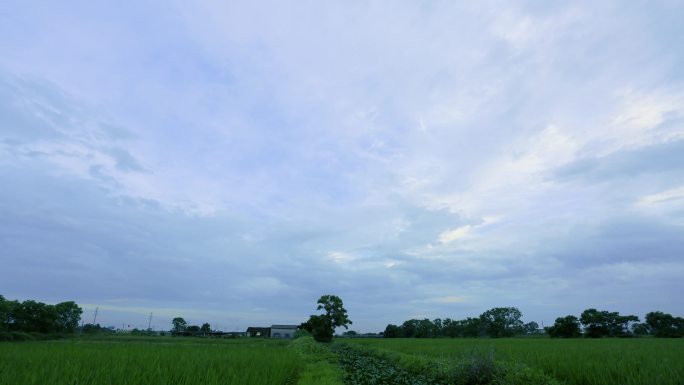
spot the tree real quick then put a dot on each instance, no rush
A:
(470, 327)
(665, 325)
(392, 331)
(322, 326)
(565, 327)
(334, 310)
(5, 306)
(502, 321)
(206, 328)
(595, 323)
(37, 317)
(599, 324)
(531, 327)
(68, 315)
(641, 329)
(179, 325)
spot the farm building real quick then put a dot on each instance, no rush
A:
(283, 331)
(255, 331)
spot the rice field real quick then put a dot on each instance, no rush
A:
(158, 360)
(190, 361)
(638, 361)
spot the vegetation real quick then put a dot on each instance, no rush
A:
(664, 325)
(321, 364)
(36, 317)
(565, 327)
(606, 324)
(507, 322)
(322, 326)
(145, 360)
(636, 361)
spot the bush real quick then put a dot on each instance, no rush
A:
(16, 336)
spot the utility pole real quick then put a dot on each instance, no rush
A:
(149, 324)
(95, 318)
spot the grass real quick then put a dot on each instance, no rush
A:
(321, 364)
(189, 361)
(639, 361)
(134, 361)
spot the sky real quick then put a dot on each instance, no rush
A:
(230, 162)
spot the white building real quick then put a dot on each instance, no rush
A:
(283, 331)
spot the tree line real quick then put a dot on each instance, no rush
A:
(507, 322)
(181, 328)
(593, 323)
(36, 317)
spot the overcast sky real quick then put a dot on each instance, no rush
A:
(230, 162)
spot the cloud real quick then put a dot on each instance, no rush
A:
(455, 234)
(665, 196)
(255, 156)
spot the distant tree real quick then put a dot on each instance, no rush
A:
(410, 328)
(531, 327)
(565, 327)
(37, 317)
(392, 331)
(426, 329)
(322, 326)
(595, 323)
(206, 328)
(68, 316)
(179, 325)
(620, 325)
(641, 329)
(96, 329)
(471, 327)
(450, 328)
(599, 324)
(350, 333)
(665, 325)
(5, 307)
(334, 310)
(192, 329)
(438, 327)
(502, 322)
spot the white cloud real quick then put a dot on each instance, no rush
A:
(455, 234)
(669, 195)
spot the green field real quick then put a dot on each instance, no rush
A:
(135, 361)
(636, 361)
(166, 360)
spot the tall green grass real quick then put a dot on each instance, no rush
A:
(638, 361)
(172, 361)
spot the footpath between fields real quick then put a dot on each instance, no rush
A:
(344, 363)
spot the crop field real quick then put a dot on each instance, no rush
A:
(637, 361)
(158, 360)
(165, 360)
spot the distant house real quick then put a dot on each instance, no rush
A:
(255, 331)
(283, 331)
(234, 334)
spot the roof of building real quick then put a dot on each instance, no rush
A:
(257, 329)
(284, 326)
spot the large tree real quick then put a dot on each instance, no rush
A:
(603, 323)
(68, 315)
(322, 326)
(665, 325)
(179, 325)
(502, 321)
(565, 327)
